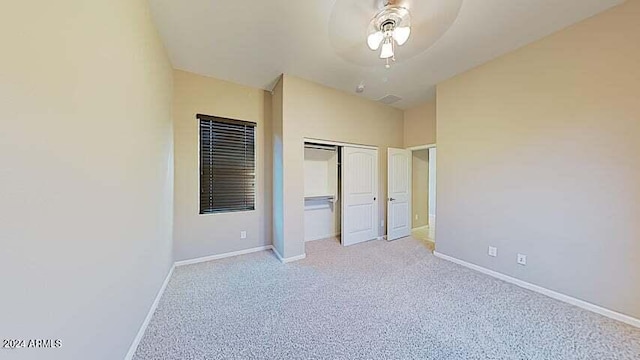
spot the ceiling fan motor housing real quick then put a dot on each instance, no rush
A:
(391, 16)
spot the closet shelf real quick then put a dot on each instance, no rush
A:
(320, 197)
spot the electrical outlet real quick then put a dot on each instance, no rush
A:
(416, 216)
(493, 251)
(243, 234)
(522, 259)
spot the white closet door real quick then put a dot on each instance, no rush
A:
(360, 195)
(399, 190)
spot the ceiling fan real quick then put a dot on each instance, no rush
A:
(397, 30)
(390, 27)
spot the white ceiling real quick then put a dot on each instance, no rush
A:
(252, 42)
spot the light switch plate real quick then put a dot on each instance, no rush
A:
(243, 234)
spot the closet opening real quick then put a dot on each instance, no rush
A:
(322, 200)
(340, 192)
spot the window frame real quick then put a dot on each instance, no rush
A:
(201, 117)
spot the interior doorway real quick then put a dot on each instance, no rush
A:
(423, 209)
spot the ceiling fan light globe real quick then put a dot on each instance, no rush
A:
(374, 40)
(387, 50)
(401, 35)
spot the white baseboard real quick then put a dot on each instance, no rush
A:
(550, 293)
(145, 323)
(222, 256)
(289, 259)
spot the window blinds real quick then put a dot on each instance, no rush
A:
(227, 165)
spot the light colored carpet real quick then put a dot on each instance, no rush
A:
(377, 300)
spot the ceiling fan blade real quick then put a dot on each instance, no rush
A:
(401, 35)
(374, 40)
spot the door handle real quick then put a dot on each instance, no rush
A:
(392, 199)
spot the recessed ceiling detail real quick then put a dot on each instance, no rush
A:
(293, 37)
(350, 26)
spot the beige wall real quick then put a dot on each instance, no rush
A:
(198, 235)
(314, 111)
(420, 125)
(86, 177)
(539, 154)
(420, 188)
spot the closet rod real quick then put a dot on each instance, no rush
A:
(319, 147)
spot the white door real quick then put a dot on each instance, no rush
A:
(399, 194)
(360, 195)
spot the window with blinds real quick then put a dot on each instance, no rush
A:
(227, 165)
